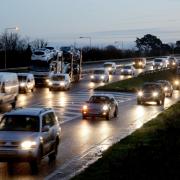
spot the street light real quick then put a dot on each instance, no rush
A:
(6, 30)
(87, 38)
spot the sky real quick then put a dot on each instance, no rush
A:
(116, 22)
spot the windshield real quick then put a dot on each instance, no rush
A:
(99, 99)
(40, 66)
(66, 48)
(158, 60)
(150, 87)
(39, 53)
(50, 48)
(22, 78)
(58, 78)
(99, 72)
(107, 65)
(127, 67)
(19, 123)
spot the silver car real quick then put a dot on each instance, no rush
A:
(28, 135)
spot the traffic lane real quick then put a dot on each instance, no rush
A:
(80, 136)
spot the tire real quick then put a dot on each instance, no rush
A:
(158, 102)
(50, 89)
(84, 117)
(162, 102)
(139, 102)
(116, 112)
(35, 164)
(13, 104)
(52, 157)
(108, 117)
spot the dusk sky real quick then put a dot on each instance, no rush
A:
(105, 21)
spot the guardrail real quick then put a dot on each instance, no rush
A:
(154, 71)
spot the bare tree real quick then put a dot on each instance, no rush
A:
(38, 43)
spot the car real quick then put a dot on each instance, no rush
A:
(26, 82)
(172, 62)
(176, 84)
(9, 88)
(139, 62)
(151, 92)
(59, 81)
(128, 70)
(29, 135)
(53, 51)
(102, 105)
(99, 75)
(168, 88)
(160, 63)
(42, 55)
(110, 66)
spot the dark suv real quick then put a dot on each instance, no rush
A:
(29, 134)
(151, 92)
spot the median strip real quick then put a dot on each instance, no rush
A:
(151, 152)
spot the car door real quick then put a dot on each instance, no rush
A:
(47, 135)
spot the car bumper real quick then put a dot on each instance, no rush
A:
(146, 99)
(94, 114)
(7, 155)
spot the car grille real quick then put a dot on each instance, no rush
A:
(12, 144)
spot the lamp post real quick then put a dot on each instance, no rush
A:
(87, 38)
(6, 31)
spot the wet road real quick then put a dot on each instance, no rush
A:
(79, 136)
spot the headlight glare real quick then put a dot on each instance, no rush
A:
(105, 107)
(140, 93)
(22, 84)
(155, 94)
(85, 107)
(28, 144)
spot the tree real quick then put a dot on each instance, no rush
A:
(38, 43)
(178, 43)
(148, 43)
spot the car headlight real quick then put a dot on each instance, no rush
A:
(92, 76)
(176, 82)
(129, 70)
(140, 63)
(62, 83)
(161, 64)
(102, 77)
(155, 94)
(50, 83)
(110, 69)
(122, 70)
(28, 145)
(105, 107)
(134, 63)
(85, 107)
(47, 80)
(22, 84)
(140, 93)
(165, 88)
(173, 63)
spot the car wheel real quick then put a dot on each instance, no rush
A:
(84, 117)
(159, 102)
(139, 102)
(50, 89)
(13, 104)
(116, 112)
(35, 164)
(170, 94)
(108, 116)
(52, 156)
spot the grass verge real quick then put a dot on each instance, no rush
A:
(133, 84)
(151, 152)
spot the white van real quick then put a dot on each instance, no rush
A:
(9, 88)
(26, 82)
(59, 81)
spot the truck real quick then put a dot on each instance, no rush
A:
(67, 62)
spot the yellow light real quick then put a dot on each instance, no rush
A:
(176, 82)
(85, 107)
(105, 107)
(140, 93)
(140, 63)
(155, 94)
(27, 144)
(165, 88)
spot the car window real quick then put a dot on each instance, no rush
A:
(99, 99)
(47, 120)
(19, 123)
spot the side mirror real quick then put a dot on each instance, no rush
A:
(45, 129)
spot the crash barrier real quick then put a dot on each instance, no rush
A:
(154, 71)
